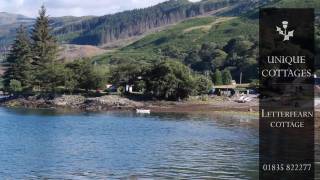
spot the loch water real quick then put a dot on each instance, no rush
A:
(48, 144)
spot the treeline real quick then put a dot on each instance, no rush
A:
(238, 56)
(168, 79)
(109, 28)
(33, 67)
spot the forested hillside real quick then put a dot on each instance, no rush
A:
(109, 28)
(125, 26)
(207, 44)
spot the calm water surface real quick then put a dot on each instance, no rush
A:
(43, 144)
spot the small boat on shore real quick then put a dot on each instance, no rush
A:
(143, 111)
(243, 99)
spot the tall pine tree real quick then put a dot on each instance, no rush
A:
(44, 48)
(18, 62)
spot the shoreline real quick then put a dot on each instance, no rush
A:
(114, 103)
(118, 103)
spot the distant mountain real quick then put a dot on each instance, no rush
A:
(8, 19)
(10, 22)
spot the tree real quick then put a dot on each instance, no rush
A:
(219, 58)
(52, 77)
(205, 54)
(170, 80)
(15, 86)
(172, 51)
(217, 78)
(44, 49)
(192, 58)
(226, 77)
(70, 80)
(206, 51)
(238, 45)
(127, 73)
(19, 61)
(203, 85)
(86, 75)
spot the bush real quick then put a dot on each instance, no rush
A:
(15, 86)
(226, 77)
(217, 78)
(203, 85)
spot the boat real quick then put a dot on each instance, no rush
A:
(243, 99)
(143, 111)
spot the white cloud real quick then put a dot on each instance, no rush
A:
(73, 7)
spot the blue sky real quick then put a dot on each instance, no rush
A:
(74, 7)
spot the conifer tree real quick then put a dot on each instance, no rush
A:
(44, 48)
(19, 60)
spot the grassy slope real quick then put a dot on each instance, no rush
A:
(191, 33)
(187, 35)
(297, 4)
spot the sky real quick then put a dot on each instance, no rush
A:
(56, 8)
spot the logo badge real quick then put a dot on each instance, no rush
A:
(286, 34)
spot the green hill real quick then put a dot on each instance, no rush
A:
(127, 24)
(236, 37)
(122, 28)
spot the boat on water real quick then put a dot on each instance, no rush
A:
(143, 111)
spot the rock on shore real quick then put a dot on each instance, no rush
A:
(109, 102)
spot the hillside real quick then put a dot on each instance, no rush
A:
(194, 36)
(70, 52)
(8, 23)
(7, 18)
(207, 36)
(109, 28)
(125, 27)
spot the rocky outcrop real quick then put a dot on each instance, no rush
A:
(78, 102)
(72, 101)
(110, 102)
